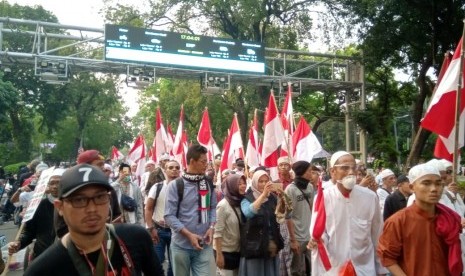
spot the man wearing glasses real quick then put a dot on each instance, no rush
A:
(353, 223)
(92, 247)
(155, 210)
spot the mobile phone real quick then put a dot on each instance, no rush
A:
(201, 243)
(277, 187)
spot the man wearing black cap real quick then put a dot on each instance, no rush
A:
(92, 247)
(300, 191)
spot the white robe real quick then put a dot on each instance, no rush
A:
(353, 227)
(382, 195)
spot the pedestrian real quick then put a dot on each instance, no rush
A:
(423, 239)
(155, 211)
(190, 213)
(398, 199)
(262, 239)
(226, 243)
(92, 247)
(353, 223)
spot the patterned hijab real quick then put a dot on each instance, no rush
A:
(231, 189)
(256, 176)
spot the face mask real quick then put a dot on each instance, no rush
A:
(349, 182)
(127, 179)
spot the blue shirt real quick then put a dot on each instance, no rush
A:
(188, 212)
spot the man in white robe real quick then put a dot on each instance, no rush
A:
(353, 223)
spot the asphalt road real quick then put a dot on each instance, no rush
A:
(10, 230)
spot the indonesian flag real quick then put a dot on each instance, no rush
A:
(252, 154)
(170, 142)
(185, 146)
(306, 145)
(179, 142)
(233, 144)
(318, 227)
(272, 138)
(440, 116)
(287, 120)
(116, 154)
(440, 149)
(137, 155)
(205, 137)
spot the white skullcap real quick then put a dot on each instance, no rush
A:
(252, 169)
(107, 166)
(150, 162)
(41, 167)
(58, 172)
(437, 164)
(336, 156)
(284, 159)
(421, 170)
(446, 163)
(164, 156)
(385, 173)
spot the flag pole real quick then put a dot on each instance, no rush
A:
(458, 109)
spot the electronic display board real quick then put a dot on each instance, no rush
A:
(183, 50)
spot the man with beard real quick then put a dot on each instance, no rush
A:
(353, 223)
(40, 227)
(92, 247)
(301, 194)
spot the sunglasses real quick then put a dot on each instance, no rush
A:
(174, 167)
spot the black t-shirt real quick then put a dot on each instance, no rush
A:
(57, 261)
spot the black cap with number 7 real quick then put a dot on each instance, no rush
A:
(79, 176)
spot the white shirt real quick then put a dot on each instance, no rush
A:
(382, 195)
(353, 227)
(458, 206)
(159, 210)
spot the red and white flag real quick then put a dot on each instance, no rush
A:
(252, 154)
(161, 142)
(287, 120)
(137, 155)
(116, 154)
(440, 116)
(319, 225)
(306, 145)
(233, 144)
(205, 137)
(273, 137)
(180, 141)
(170, 142)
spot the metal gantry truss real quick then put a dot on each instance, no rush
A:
(54, 56)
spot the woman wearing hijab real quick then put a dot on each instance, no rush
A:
(261, 239)
(226, 241)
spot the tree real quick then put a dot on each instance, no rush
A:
(410, 35)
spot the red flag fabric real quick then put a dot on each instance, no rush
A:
(305, 144)
(161, 143)
(252, 154)
(116, 154)
(138, 150)
(233, 144)
(319, 215)
(179, 142)
(205, 137)
(440, 115)
(273, 136)
(287, 120)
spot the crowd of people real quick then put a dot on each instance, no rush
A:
(99, 219)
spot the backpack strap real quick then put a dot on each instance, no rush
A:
(180, 187)
(159, 186)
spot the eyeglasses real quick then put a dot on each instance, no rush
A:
(83, 201)
(174, 168)
(346, 167)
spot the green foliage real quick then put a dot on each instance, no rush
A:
(14, 168)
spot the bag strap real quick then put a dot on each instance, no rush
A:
(79, 264)
(180, 187)
(159, 186)
(305, 196)
(237, 216)
(124, 250)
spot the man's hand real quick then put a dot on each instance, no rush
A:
(13, 247)
(295, 247)
(154, 234)
(194, 240)
(208, 237)
(312, 244)
(219, 259)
